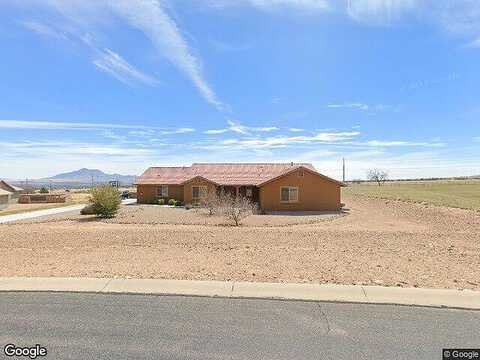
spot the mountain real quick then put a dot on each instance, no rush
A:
(86, 176)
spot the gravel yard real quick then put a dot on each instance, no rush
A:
(376, 241)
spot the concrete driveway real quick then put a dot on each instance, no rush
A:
(99, 326)
(48, 212)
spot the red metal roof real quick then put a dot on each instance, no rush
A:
(221, 173)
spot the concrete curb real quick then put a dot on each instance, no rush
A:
(461, 299)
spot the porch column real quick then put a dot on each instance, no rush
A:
(237, 188)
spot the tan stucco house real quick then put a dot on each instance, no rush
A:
(15, 191)
(4, 199)
(275, 187)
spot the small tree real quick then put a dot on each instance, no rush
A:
(235, 208)
(211, 201)
(377, 175)
(105, 201)
(44, 190)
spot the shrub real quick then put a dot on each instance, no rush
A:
(87, 210)
(235, 208)
(44, 190)
(211, 202)
(178, 203)
(172, 202)
(105, 201)
(161, 201)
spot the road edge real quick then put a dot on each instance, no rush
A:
(443, 298)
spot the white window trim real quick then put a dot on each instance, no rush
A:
(289, 188)
(200, 191)
(160, 192)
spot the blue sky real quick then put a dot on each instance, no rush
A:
(122, 85)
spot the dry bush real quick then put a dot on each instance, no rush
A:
(211, 202)
(235, 208)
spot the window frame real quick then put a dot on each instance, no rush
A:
(160, 192)
(199, 191)
(290, 188)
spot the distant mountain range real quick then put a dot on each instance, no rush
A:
(86, 176)
(79, 178)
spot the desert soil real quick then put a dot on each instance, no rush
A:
(381, 242)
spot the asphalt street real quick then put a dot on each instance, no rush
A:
(100, 326)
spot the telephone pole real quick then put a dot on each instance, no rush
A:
(343, 169)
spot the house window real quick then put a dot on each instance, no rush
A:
(199, 192)
(288, 194)
(248, 192)
(162, 191)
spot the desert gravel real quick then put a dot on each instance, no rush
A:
(379, 242)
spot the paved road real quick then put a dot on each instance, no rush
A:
(98, 326)
(48, 212)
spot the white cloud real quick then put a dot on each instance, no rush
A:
(150, 17)
(272, 5)
(383, 143)
(116, 66)
(359, 106)
(475, 43)
(136, 130)
(183, 130)
(379, 12)
(296, 129)
(43, 29)
(52, 125)
(283, 141)
(320, 5)
(236, 127)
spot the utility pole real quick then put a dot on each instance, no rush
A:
(343, 169)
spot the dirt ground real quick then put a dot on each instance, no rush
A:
(381, 242)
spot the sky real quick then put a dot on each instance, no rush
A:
(121, 85)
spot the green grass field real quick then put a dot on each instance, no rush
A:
(459, 194)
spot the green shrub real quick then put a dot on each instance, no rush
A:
(87, 210)
(161, 201)
(172, 202)
(178, 203)
(105, 201)
(44, 190)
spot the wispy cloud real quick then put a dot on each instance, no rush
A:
(383, 143)
(152, 19)
(285, 141)
(358, 106)
(379, 12)
(236, 127)
(136, 130)
(183, 130)
(53, 125)
(116, 66)
(148, 16)
(43, 29)
(272, 5)
(475, 43)
(296, 129)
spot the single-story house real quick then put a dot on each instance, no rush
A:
(14, 190)
(273, 186)
(4, 198)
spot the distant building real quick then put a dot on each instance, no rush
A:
(15, 191)
(4, 198)
(114, 183)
